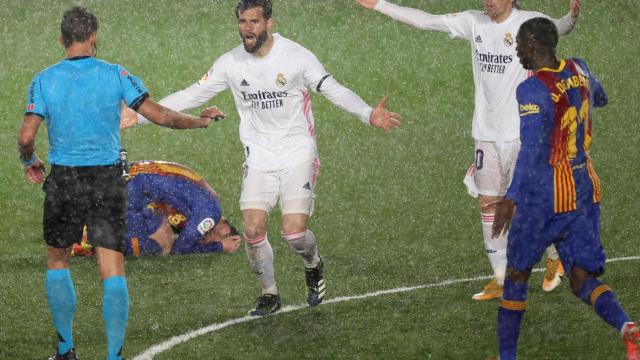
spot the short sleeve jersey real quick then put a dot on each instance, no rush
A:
(272, 98)
(80, 99)
(496, 70)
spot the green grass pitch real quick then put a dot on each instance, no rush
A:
(391, 209)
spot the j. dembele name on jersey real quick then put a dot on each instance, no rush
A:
(493, 63)
(265, 99)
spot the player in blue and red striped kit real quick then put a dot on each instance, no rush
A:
(172, 209)
(555, 187)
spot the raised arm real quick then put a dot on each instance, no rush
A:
(414, 17)
(567, 23)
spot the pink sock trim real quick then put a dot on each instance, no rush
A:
(255, 241)
(294, 236)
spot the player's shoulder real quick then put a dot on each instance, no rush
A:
(524, 15)
(471, 16)
(110, 68)
(231, 55)
(531, 87)
(51, 69)
(291, 47)
(580, 64)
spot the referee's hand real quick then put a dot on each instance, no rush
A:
(212, 113)
(35, 172)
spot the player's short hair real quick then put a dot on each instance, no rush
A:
(77, 25)
(542, 30)
(265, 5)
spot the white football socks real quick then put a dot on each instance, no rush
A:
(260, 256)
(304, 244)
(496, 249)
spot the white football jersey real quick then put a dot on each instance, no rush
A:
(496, 70)
(272, 98)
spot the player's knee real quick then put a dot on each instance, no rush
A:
(253, 232)
(294, 224)
(254, 240)
(577, 278)
(518, 276)
(255, 223)
(590, 289)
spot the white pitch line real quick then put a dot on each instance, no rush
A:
(176, 340)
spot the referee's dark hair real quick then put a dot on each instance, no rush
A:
(541, 30)
(77, 25)
(265, 5)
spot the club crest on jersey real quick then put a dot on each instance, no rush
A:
(206, 225)
(508, 40)
(281, 80)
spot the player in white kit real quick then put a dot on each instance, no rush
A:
(496, 124)
(269, 77)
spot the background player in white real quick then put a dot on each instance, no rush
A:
(269, 76)
(495, 129)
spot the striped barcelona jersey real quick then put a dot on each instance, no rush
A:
(177, 193)
(554, 167)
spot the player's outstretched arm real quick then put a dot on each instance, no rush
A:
(567, 23)
(413, 17)
(163, 116)
(382, 118)
(574, 6)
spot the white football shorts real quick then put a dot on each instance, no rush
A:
(492, 170)
(294, 187)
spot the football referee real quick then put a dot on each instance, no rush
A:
(79, 98)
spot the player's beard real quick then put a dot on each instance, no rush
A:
(260, 40)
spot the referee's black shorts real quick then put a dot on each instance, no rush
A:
(95, 196)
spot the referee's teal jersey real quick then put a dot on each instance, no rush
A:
(80, 99)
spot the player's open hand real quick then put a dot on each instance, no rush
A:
(369, 4)
(35, 172)
(574, 6)
(230, 244)
(128, 117)
(502, 221)
(212, 113)
(381, 118)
